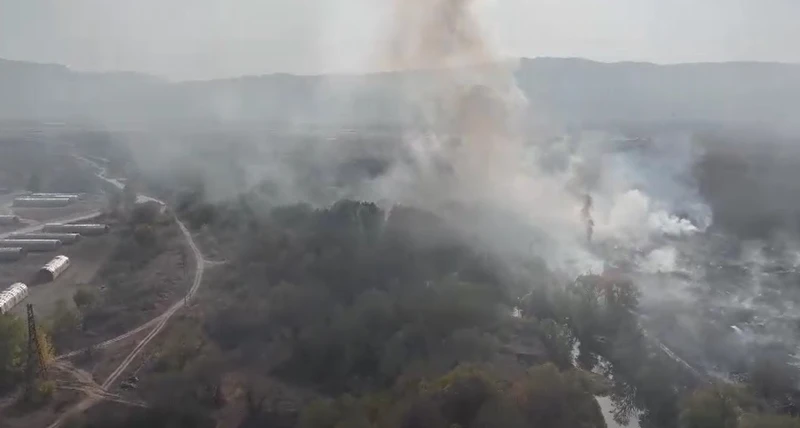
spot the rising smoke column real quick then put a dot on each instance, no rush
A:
(468, 102)
(467, 147)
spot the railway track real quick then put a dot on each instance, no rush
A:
(158, 323)
(84, 382)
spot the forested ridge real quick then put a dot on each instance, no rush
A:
(352, 316)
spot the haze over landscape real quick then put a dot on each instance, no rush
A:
(181, 39)
(409, 213)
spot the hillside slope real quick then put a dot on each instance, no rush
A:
(572, 91)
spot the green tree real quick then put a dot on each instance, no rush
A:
(41, 393)
(295, 307)
(559, 341)
(714, 407)
(13, 338)
(499, 412)
(461, 393)
(549, 398)
(772, 377)
(84, 298)
(769, 421)
(145, 213)
(63, 323)
(145, 235)
(320, 414)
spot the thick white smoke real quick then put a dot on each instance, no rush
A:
(469, 150)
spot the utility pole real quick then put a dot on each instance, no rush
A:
(34, 369)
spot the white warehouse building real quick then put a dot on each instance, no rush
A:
(11, 296)
(54, 268)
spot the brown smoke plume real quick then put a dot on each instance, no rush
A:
(468, 98)
(468, 144)
(434, 34)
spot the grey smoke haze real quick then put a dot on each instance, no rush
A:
(466, 149)
(189, 39)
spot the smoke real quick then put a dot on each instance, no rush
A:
(466, 152)
(469, 106)
(465, 155)
(469, 156)
(580, 202)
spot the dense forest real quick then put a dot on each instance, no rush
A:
(355, 316)
(365, 315)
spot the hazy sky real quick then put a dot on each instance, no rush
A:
(184, 39)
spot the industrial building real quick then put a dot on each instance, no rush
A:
(31, 244)
(9, 220)
(65, 238)
(83, 229)
(28, 202)
(12, 254)
(11, 296)
(54, 268)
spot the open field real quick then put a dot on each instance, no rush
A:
(133, 283)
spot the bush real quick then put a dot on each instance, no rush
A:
(715, 407)
(41, 393)
(319, 414)
(145, 235)
(84, 298)
(769, 421)
(145, 213)
(549, 398)
(468, 396)
(64, 323)
(13, 339)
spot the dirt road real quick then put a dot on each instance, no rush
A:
(158, 322)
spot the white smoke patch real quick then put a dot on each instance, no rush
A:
(671, 225)
(469, 151)
(633, 218)
(660, 260)
(466, 157)
(643, 188)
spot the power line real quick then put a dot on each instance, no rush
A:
(36, 367)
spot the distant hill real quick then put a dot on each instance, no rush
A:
(46, 91)
(752, 94)
(573, 91)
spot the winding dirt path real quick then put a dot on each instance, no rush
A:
(158, 323)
